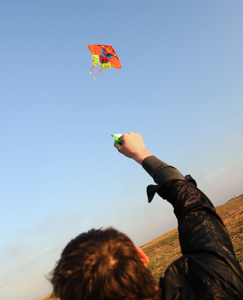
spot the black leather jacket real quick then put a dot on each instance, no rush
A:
(208, 268)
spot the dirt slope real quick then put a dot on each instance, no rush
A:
(163, 250)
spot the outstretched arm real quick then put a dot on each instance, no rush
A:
(200, 228)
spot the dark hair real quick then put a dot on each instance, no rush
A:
(102, 265)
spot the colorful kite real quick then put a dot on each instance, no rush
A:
(104, 55)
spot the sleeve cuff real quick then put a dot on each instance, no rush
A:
(160, 171)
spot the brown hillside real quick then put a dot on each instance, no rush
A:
(163, 250)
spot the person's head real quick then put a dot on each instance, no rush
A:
(103, 265)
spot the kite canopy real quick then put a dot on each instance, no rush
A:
(104, 55)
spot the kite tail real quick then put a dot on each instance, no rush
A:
(91, 71)
(97, 74)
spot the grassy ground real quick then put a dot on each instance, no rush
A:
(163, 250)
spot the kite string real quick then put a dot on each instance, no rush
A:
(118, 104)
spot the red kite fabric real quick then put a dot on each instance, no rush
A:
(104, 55)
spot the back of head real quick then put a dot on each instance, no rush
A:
(102, 265)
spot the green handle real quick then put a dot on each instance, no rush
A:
(116, 138)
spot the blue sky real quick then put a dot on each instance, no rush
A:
(180, 86)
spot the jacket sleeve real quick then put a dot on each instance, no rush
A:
(200, 228)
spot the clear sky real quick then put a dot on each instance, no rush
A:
(180, 86)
